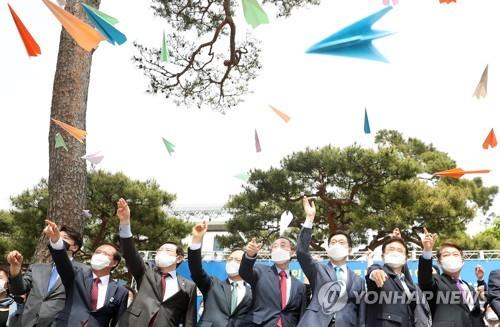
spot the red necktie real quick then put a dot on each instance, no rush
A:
(163, 289)
(94, 291)
(283, 295)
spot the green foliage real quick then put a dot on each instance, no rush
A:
(357, 190)
(150, 224)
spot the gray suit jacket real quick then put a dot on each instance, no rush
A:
(42, 306)
(494, 291)
(352, 314)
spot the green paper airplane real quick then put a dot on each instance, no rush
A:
(60, 142)
(170, 146)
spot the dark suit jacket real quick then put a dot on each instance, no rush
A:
(266, 308)
(78, 283)
(176, 310)
(391, 307)
(217, 296)
(350, 315)
(494, 291)
(447, 314)
(41, 307)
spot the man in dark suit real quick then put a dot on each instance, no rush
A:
(92, 298)
(494, 291)
(41, 282)
(455, 302)
(164, 298)
(392, 296)
(225, 302)
(345, 308)
(279, 299)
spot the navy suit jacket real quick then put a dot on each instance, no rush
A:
(266, 308)
(494, 291)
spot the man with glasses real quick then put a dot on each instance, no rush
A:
(164, 298)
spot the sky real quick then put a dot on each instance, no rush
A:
(437, 56)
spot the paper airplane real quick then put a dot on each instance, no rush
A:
(113, 35)
(83, 34)
(243, 176)
(482, 86)
(254, 14)
(447, 1)
(60, 142)
(490, 141)
(459, 172)
(281, 114)
(285, 220)
(86, 213)
(29, 42)
(394, 2)
(109, 19)
(257, 142)
(94, 158)
(77, 133)
(170, 146)
(367, 124)
(164, 55)
(355, 40)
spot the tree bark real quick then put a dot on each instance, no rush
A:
(67, 171)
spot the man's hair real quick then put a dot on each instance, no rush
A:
(349, 240)
(393, 239)
(5, 271)
(116, 256)
(237, 249)
(179, 250)
(74, 235)
(448, 244)
(292, 244)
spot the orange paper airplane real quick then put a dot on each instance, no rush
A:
(459, 172)
(282, 115)
(491, 140)
(447, 1)
(30, 44)
(83, 34)
(77, 133)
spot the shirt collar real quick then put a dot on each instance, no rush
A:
(104, 279)
(287, 272)
(238, 283)
(343, 267)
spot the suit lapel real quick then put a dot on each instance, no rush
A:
(294, 284)
(226, 290)
(155, 281)
(87, 281)
(276, 292)
(110, 292)
(45, 271)
(350, 280)
(331, 272)
(451, 284)
(247, 299)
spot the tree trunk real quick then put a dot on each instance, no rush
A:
(67, 171)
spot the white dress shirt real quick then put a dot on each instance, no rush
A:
(172, 285)
(240, 286)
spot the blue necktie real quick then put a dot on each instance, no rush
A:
(54, 275)
(338, 273)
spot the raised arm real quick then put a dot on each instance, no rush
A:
(133, 259)
(191, 312)
(19, 283)
(198, 274)
(303, 255)
(425, 280)
(247, 271)
(59, 255)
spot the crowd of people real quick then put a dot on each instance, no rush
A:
(68, 293)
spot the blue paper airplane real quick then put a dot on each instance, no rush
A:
(106, 29)
(367, 124)
(354, 40)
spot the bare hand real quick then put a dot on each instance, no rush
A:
(123, 212)
(479, 271)
(309, 209)
(15, 260)
(428, 240)
(379, 277)
(52, 231)
(396, 233)
(199, 231)
(253, 248)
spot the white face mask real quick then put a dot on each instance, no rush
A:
(279, 255)
(337, 252)
(232, 268)
(452, 264)
(394, 259)
(163, 259)
(99, 261)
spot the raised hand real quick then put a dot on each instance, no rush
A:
(379, 277)
(428, 240)
(396, 233)
(123, 212)
(52, 231)
(253, 248)
(309, 209)
(199, 230)
(15, 260)
(479, 271)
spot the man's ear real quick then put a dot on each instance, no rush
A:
(180, 258)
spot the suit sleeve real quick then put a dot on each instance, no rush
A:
(362, 305)
(21, 284)
(190, 318)
(198, 274)
(494, 291)
(64, 267)
(304, 256)
(304, 303)
(133, 259)
(247, 271)
(121, 309)
(371, 286)
(426, 281)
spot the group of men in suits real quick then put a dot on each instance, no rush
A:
(68, 293)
